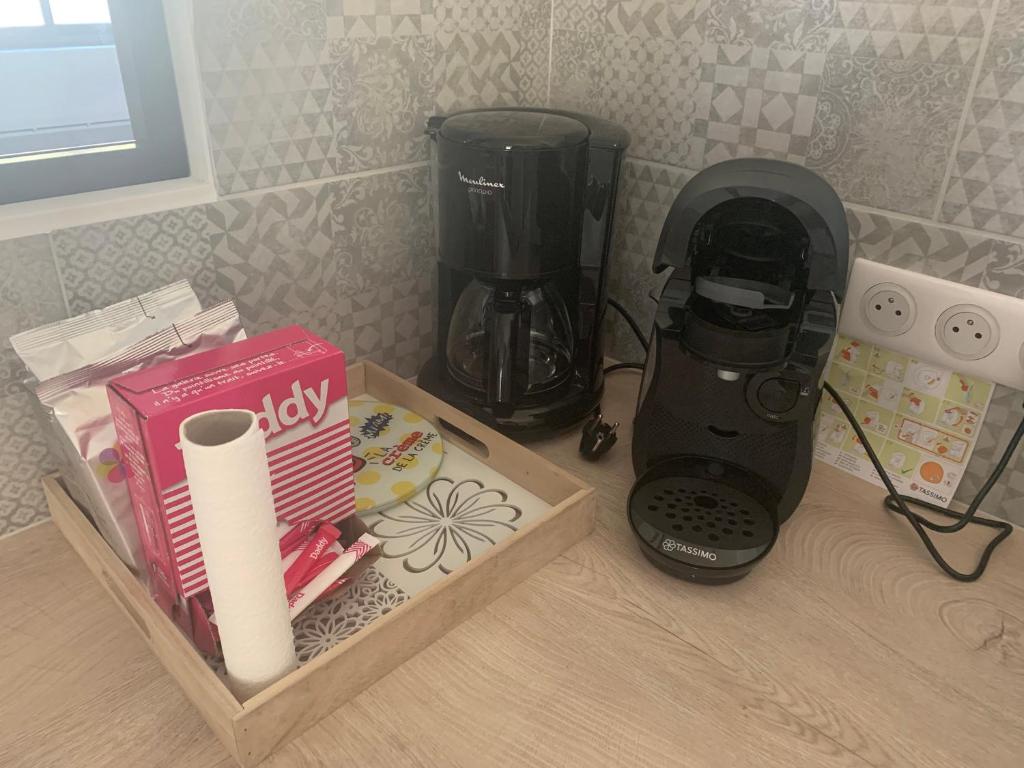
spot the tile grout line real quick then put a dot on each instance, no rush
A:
(324, 180)
(971, 88)
(551, 53)
(22, 529)
(60, 273)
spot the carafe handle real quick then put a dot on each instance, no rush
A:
(507, 323)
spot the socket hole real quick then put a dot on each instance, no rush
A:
(977, 335)
(956, 329)
(878, 307)
(899, 313)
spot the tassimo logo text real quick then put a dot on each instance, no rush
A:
(929, 492)
(273, 419)
(671, 545)
(481, 182)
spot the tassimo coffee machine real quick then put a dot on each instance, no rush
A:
(723, 436)
(525, 199)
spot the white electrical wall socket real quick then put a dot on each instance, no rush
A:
(971, 330)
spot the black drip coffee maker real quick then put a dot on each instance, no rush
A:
(525, 199)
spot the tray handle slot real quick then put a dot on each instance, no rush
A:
(463, 439)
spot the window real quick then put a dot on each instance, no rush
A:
(89, 98)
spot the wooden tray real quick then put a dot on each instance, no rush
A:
(253, 729)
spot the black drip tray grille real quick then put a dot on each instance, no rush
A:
(704, 512)
(702, 519)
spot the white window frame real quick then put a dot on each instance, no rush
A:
(43, 216)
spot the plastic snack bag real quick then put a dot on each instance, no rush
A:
(78, 402)
(67, 345)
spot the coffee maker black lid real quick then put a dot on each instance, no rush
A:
(501, 130)
(799, 191)
(604, 134)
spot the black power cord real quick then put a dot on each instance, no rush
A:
(633, 324)
(635, 327)
(895, 502)
(599, 436)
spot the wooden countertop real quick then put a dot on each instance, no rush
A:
(846, 647)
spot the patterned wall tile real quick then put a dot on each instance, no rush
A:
(383, 232)
(103, 263)
(260, 21)
(651, 89)
(274, 254)
(383, 90)
(645, 196)
(1006, 45)
(266, 83)
(987, 187)
(757, 101)
(587, 17)
(884, 129)
(390, 324)
(948, 32)
(986, 190)
(379, 18)
(492, 53)
(674, 19)
(795, 24)
(575, 70)
(472, 15)
(681, 20)
(393, 333)
(1004, 269)
(25, 459)
(1007, 497)
(534, 58)
(933, 249)
(648, 84)
(478, 69)
(30, 295)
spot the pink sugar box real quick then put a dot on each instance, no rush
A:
(295, 382)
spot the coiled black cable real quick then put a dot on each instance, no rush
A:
(896, 502)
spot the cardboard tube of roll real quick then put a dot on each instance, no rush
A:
(229, 481)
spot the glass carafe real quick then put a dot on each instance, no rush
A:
(510, 340)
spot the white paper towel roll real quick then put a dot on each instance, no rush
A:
(229, 482)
